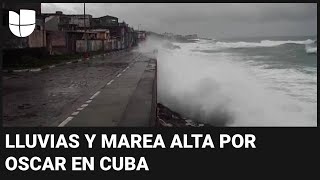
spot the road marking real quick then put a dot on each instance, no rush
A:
(35, 70)
(84, 105)
(96, 94)
(52, 66)
(21, 70)
(110, 82)
(89, 101)
(65, 121)
(75, 113)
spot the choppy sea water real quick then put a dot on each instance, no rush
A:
(241, 82)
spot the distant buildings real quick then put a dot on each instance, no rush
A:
(141, 35)
(179, 37)
(192, 36)
(66, 22)
(168, 35)
(104, 21)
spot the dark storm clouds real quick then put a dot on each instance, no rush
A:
(208, 20)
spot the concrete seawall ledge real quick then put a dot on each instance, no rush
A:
(140, 111)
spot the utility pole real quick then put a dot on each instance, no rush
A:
(85, 30)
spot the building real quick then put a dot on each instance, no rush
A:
(66, 22)
(168, 35)
(104, 21)
(103, 34)
(141, 35)
(65, 42)
(191, 36)
(131, 37)
(118, 31)
(66, 33)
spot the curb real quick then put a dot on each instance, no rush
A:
(60, 64)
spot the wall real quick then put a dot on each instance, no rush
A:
(114, 44)
(37, 39)
(71, 41)
(58, 38)
(56, 42)
(107, 45)
(104, 21)
(103, 35)
(79, 20)
(97, 45)
(119, 44)
(52, 23)
(93, 45)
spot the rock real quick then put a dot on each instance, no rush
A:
(168, 118)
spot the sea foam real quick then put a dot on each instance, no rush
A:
(219, 89)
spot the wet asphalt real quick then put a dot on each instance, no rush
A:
(35, 99)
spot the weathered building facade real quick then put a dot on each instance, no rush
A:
(58, 33)
(141, 35)
(66, 22)
(104, 21)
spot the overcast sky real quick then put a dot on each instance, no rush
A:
(207, 20)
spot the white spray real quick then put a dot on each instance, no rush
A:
(218, 90)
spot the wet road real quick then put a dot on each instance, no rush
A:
(47, 97)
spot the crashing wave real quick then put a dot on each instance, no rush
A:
(263, 43)
(311, 48)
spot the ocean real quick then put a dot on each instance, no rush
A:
(266, 81)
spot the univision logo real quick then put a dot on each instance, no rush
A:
(22, 25)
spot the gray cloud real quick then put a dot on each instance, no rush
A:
(209, 20)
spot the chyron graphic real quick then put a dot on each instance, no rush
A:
(22, 25)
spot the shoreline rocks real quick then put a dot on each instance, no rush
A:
(168, 118)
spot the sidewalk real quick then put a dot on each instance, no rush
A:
(124, 101)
